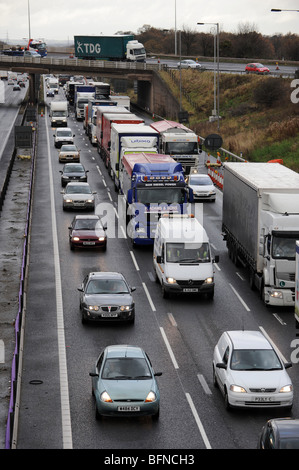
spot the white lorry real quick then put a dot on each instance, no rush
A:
(130, 138)
(81, 99)
(260, 224)
(58, 113)
(182, 258)
(178, 141)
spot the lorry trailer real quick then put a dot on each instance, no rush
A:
(261, 225)
(116, 47)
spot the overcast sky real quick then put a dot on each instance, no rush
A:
(62, 19)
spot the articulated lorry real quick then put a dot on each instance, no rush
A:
(182, 258)
(117, 47)
(58, 113)
(152, 184)
(178, 141)
(89, 120)
(261, 225)
(130, 138)
(107, 120)
(99, 121)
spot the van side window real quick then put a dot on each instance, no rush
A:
(225, 356)
(162, 252)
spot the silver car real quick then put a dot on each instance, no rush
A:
(190, 64)
(78, 196)
(202, 186)
(106, 296)
(69, 153)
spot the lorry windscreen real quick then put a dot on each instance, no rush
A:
(188, 253)
(284, 247)
(181, 148)
(160, 195)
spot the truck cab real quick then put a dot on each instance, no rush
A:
(135, 51)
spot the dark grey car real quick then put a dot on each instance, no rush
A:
(73, 172)
(106, 296)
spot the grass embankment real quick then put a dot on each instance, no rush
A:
(258, 117)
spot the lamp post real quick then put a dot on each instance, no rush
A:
(278, 9)
(216, 60)
(175, 31)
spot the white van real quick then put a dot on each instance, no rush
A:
(63, 135)
(182, 256)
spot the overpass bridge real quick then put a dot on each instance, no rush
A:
(152, 92)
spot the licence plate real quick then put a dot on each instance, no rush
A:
(262, 399)
(88, 243)
(113, 315)
(79, 204)
(189, 289)
(128, 408)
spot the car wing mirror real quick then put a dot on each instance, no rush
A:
(93, 374)
(132, 289)
(221, 365)
(80, 289)
(287, 365)
(157, 374)
(216, 259)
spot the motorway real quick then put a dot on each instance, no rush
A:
(179, 334)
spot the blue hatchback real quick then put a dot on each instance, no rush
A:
(124, 383)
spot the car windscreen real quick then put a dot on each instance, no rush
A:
(64, 133)
(200, 180)
(255, 359)
(78, 190)
(126, 369)
(188, 253)
(107, 286)
(87, 224)
(68, 148)
(74, 169)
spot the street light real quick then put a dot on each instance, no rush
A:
(216, 58)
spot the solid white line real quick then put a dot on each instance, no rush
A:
(240, 298)
(239, 275)
(149, 297)
(134, 260)
(175, 364)
(98, 168)
(64, 390)
(198, 422)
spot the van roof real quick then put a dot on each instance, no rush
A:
(184, 229)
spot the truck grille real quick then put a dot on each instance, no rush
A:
(190, 283)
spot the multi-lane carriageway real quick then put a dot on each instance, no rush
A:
(56, 407)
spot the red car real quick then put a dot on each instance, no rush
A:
(255, 67)
(87, 231)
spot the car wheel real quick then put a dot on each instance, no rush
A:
(165, 294)
(215, 383)
(83, 320)
(156, 416)
(97, 414)
(226, 401)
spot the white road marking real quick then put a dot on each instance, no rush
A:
(279, 319)
(273, 344)
(172, 320)
(198, 422)
(149, 297)
(172, 356)
(64, 388)
(240, 298)
(204, 384)
(134, 260)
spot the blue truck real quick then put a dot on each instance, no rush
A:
(152, 185)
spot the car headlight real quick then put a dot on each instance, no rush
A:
(151, 397)
(209, 280)
(237, 388)
(89, 200)
(94, 308)
(124, 308)
(170, 280)
(68, 200)
(286, 389)
(76, 239)
(101, 239)
(106, 397)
